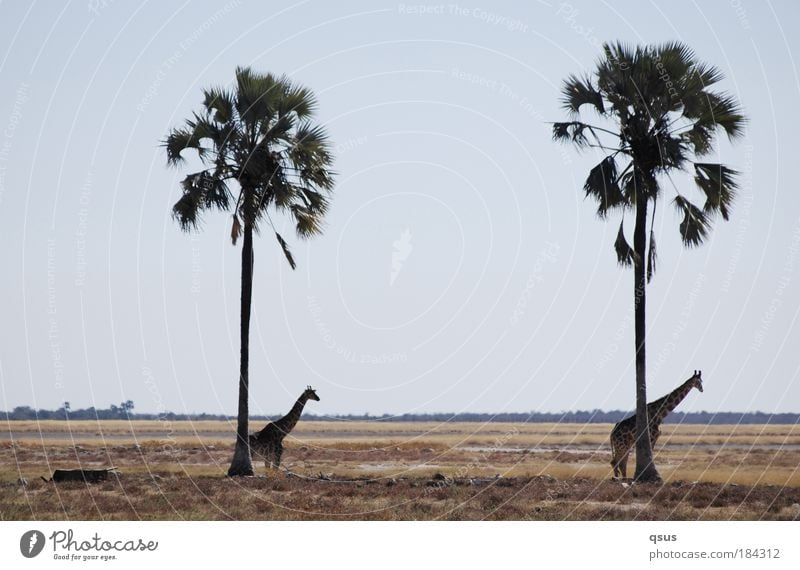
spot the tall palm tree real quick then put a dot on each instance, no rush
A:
(658, 115)
(258, 134)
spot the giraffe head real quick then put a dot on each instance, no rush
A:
(311, 394)
(695, 381)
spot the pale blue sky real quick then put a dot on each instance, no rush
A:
(460, 270)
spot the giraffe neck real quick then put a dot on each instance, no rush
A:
(659, 409)
(287, 422)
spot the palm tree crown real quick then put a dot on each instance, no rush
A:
(260, 135)
(667, 118)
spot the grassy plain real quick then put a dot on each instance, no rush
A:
(382, 470)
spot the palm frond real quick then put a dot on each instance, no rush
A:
(578, 92)
(700, 137)
(673, 152)
(236, 229)
(571, 131)
(695, 225)
(186, 212)
(652, 257)
(176, 142)
(217, 193)
(314, 201)
(212, 191)
(255, 96)
(620, 56)
(676, 58)
(220, 102)
(724, 111)
(277, 129)
(299, 101)
(201, 191)
(280, 190)
(625, 254)
(701, 77)
(310, 142)
(286, 252)
(308, 223)
(671, 64)
(719, 184)
(602, 185)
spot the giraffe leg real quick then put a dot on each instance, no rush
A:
(271, 461)
(614, 462)
(619, 462)
(278, 453)
(266, 456)
(623, 465)
(619, 455)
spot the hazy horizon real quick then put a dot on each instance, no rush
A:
(461, 268)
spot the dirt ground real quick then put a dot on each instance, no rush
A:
(401, 471)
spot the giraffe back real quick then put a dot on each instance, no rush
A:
(266, 441)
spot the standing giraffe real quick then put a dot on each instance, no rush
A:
(268, 443)
(624, 433)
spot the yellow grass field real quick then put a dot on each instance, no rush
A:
(397, 470)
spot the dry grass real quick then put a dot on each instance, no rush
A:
(547, 471)
(135, 497)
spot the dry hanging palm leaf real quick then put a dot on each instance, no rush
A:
(286, 251)
(236, 229)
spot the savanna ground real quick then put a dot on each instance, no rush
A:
(397, 471)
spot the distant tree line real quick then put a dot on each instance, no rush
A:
(579, 417)
(125, 411)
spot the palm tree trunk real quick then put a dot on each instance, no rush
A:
(241, 464)
(645, 468)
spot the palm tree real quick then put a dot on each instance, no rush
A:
(659, 115)
(259, 135)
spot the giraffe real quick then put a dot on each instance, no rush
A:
(268, 443)
(624, 433)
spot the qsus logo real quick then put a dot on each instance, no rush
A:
(31, 543)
